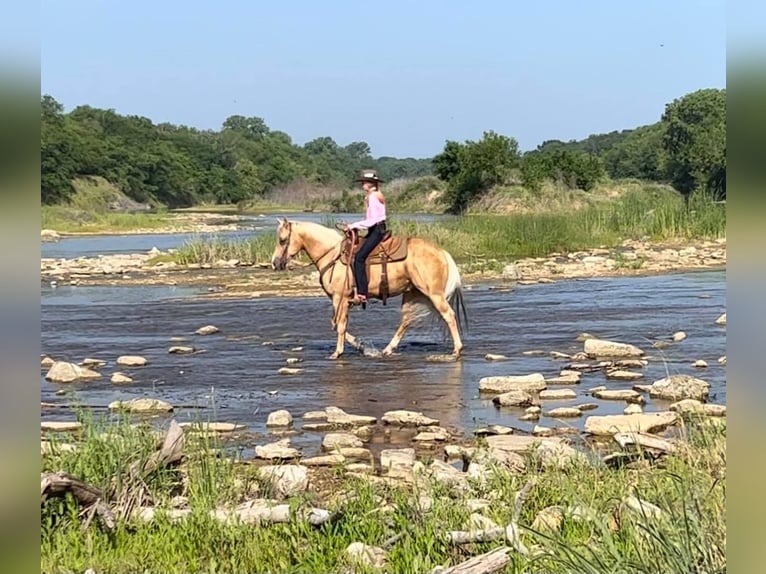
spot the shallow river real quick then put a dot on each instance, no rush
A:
(234, 376)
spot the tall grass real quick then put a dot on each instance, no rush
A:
(688, 487)
(209, 250)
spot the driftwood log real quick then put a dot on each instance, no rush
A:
(487, 563)
(90, 498)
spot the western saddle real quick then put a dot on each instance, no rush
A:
(392, 248)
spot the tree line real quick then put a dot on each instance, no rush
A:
(180, 166)
(686, 148)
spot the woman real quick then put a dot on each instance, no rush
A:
(374, 222)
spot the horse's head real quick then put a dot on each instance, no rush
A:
(288, 245)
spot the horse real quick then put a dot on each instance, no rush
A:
(424, 274)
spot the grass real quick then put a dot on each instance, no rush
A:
(689, 487)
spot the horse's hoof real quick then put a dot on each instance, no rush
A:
(335, 356)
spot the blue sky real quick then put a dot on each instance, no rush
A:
(402, 76)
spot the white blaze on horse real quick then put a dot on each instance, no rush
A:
(424, 274)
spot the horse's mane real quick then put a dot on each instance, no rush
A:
(319, 231)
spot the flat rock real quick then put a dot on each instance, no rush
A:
(563, 412)
(564, 380)
(557, 394)
(324, 460)
(46, 362)
(558, 355)
(643, 440)
(492, 429)
(142, 405)
(644, 422)
(619, 395)
(211, 427)
(632, 409)
(93, 363)
(515, 398)
(180, 350)
(549, 520)
(700, 364)
(131, 361)
(280, 418)
(457, 452)
(679, 336)
(207, 330)
(407, 419)
(586, 407)
(631, 363)
(504, 384)
(721, 320)
(340, 418)
(722, 360)
(494, 357)
(335, 440)
(289, 371)
(597, 348)
(63, 372)
(695, 406)
(355, 453)
(364, 555)
(280, 450)
(432, 434)
(677, 387)
(315, 416)
(621, 375)
(60, 426)
(119, 378)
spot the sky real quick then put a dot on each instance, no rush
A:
(403, 76)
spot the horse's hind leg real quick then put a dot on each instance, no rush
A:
(409, 300)
(444, 309)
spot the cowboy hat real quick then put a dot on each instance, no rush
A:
(369, 175)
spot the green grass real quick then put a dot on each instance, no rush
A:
(208, 250)
(689, 487)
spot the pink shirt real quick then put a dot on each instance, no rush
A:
(376, 212)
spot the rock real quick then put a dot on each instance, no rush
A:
(280, 450)
(700, 364)
(339, 418)
(286, 479)
(722, 360)
(644, 441)
(63, 372)
(534, 410)
(493, 429)
(180, 350)
(620, 375)
(364, 433)
(60, 426)
(533, 353)
(293, 360)
(335, 440)
(407, 418)
(633, 409)
(679, 336)
(480, 522)
(397, 462)
(119, 378)
(324, 460)
(432, 435)
(131, 361)
(631, 363)
(440, 471)
(721, 320)
(563, 412)
(493, 357)
(559, 394)
(516, 398)
(49, 235)
(644, 422)
(512, 272)
(586, 407)
(92, 363)
(597, 348)
(582, 337)
(142, 405)
(542, 431)
(695, 406)
(280, 418)
(677, 387)
(319, 427)
(549, 520)
(620, 395)
(504, 384)
(568, 379)
(641, 508)
(207, 330)
(315, 416)
(367, 556)
(660, 345)
(355, 453)
(47, 362)
(557, 355)
(641, 388)
(289, 371)
(457, 452)
(211, 427)
(558, 455)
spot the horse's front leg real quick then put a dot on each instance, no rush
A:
(341, 322)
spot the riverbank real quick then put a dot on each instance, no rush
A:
(236, 278)
(639, 496)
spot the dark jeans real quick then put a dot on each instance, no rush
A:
(374, 237)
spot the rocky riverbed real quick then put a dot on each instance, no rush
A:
(236, 278)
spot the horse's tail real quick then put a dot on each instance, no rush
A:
(454, 294)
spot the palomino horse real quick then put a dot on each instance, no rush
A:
(427, 279)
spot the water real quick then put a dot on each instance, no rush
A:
(234, 378)
(94, 245)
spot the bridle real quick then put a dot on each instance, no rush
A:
(283, 257)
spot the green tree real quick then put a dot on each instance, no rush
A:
(695, 141)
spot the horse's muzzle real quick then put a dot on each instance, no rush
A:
(278, 264)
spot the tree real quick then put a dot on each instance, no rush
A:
(695, 141)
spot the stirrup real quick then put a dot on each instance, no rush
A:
(358, 300)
